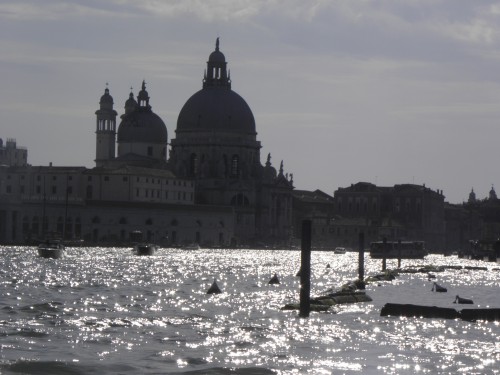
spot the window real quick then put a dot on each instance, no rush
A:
(8, 189)
(106, 178)
(54, 189)
(235, 166)
(125, 178)
(150, 151)
(89, 192)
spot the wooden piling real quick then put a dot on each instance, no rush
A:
(361, 259)
(384, 259)
(305, 267)
(399, 254)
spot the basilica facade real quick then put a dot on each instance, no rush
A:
(211, 189)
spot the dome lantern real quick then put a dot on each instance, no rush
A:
(216, 73)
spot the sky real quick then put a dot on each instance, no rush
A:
(342, 91)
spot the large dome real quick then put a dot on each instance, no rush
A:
(142, 126)
(216, 108)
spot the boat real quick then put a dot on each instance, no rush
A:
(145, 249)
(193, 246)
(140, 247)
(339, 250)
(398, 250)
(51, 249)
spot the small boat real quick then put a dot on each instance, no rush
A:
(145, 249)
(193, 246)
(51, 249)
(339, 250)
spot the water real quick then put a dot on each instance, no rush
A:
(106, 311)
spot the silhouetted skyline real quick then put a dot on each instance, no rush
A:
(342, 92)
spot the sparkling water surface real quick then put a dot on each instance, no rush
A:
(107, 311)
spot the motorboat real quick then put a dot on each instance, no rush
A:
(145, 249)
(51, 249)
(339, 250)
(193, 246)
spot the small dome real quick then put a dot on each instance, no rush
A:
(106, 102)
(142, 126)
(217, 56)
(130, 104)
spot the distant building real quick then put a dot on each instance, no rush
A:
(11, 155)
(399, 212)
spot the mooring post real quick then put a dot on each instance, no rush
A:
(305, 269)
(384, 259)
(361, 260)
(399, 254)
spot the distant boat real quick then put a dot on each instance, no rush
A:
(339, 250)
(193, 246)
(145, 249)
(140, 247)
(51, 249)
(398, 249)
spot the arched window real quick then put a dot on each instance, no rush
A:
(26, 225)
(78, 227)
(235, 166)
(60, 224)
(193, 164)
(35, 225)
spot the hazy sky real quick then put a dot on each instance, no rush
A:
(342, 91)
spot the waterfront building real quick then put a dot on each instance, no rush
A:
(213, 190)
(399, 212)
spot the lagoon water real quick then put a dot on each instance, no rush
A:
(107, 311)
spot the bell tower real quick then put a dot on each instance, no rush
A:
(105, 130)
